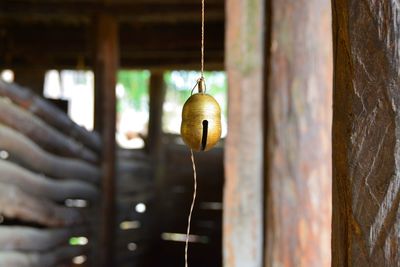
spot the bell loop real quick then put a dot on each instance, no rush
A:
(201, 85)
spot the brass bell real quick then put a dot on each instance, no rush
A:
(201, 120)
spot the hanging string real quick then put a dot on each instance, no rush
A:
(202, 37)
(191, 151)
(191, 208)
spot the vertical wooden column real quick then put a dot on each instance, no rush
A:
(243, 195)
(157, 97)
(366, 133)
(106, 66)
(32, 78)
(298, 147)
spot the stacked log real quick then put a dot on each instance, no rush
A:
(46, 160)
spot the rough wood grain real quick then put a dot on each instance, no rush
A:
(41, 133)
(243, 196)
(45, 187)
(52, 115)
(28, 239)
(47, 259)
(17, 204)
(32, 156)
(366, 133)
(298, 204)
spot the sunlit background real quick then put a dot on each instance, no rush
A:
(132, 90)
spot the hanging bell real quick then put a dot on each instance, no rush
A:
(201, 120)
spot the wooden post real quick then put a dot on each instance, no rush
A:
(106, 66)
(32, 78)
(366, 133)
(243, 196)
(298, 204)
(157, 97)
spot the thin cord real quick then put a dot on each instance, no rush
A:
(191, 151)
(202, 37)
(191, 208)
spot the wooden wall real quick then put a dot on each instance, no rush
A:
(49, 182)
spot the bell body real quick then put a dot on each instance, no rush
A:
(201, 122)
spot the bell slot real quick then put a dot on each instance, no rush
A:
(204, 137)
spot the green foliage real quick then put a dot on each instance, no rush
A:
(136, 85)
(180, 83)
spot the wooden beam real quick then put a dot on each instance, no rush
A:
(157, 97)
(298, 178)
(46, 187)
(49, 113)
(16, 204)
(60, 255)
(243, 197)
(106, 66)
(133, 11)
(29, 239)
(142, 46)
(41, 133)
(366, 132)
(28, 154)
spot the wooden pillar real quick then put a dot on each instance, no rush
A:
(298, 197)
(243, 195)
(31, 77)
(106, 66)
(157, 97)
(366, 133)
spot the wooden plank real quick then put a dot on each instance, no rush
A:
(106, 66)
(16, 204)
(61, 255)
(30, 155)
(41, 133)
(49, 113)
(30, 239)
(46, 187)
(298, 185)
(366, 130)
(243, 196)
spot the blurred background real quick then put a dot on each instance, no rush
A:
(93, 171)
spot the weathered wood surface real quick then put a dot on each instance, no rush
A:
(42, 134)
(243, 196)
(45, 187)
(49, 113)
(17, 204)
(28, 239)
(298, 125)
(366, 133)
(52, 258)
(106, 57)
(32, 156)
